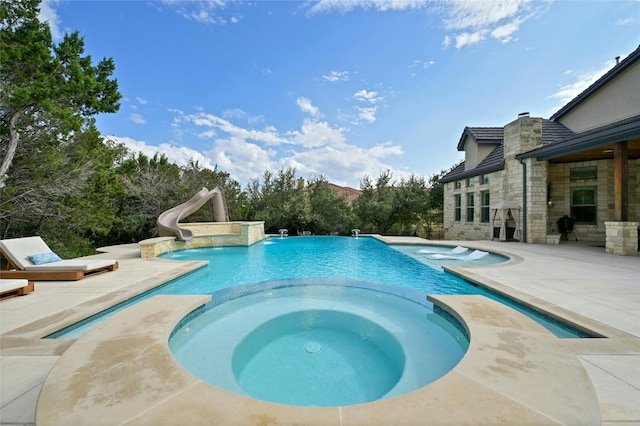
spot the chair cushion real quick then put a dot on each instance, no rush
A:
(42, 258)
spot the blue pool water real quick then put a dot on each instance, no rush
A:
(363, 258)
(321, 342)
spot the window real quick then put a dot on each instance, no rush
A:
(457, 184)
(584, 204)
(458, 207)
(471, 182)
(484, 179)
(578, 173)
(484, 206)
(470, 205)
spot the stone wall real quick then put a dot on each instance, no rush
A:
(464, 230)
(561, 184)
(520, 136)
(622, 238)
(206, 234)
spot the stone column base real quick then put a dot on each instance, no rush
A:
(622, 238)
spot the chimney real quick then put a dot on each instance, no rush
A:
(617, 60)
(523, 114)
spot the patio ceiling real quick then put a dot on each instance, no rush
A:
(604, 152)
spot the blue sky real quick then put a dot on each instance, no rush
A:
(338, 88)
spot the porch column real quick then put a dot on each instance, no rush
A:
(622, 238)
(620, 182)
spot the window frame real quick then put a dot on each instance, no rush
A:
(457, 207)
(485, 215)
(471, 182)
(470, 206)
(583, 173)
(577, 209)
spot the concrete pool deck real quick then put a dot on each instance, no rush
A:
(577, 280)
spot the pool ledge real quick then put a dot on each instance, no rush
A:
(122, 372)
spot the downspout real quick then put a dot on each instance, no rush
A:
(524, 200)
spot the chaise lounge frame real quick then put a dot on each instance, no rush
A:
(18, 291)
(73, 273)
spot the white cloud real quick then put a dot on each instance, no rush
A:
(472, 21)
(141, 101)
(136, 118)
(49, 14)
(268, 135)
(234, 113)
(343, 6)
(367, 115)
(446, 42)
(176, 154)
(569, 91)
(334, 76)
(625, 21)
(202, 11)
(241, 159)
(466, 39)
(421, 64)
(367, 96)
(317, 147)
(306, 106)
(345, 164)
(504, 33)
(463, 14)
(315, 134)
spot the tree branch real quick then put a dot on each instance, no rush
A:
(14, 137)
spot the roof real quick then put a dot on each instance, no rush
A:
(481, 135)
(344, 191)
(626, 129)
(613, 73)
(553, 132)
(492, 163)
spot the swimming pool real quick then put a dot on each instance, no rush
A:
(363, 258)
(321, 342)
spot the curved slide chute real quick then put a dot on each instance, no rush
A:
(168, 222)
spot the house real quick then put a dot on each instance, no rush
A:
(573, 176)
(350, 194)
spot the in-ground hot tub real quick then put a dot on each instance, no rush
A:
(319, 342)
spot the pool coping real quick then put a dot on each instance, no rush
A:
(515, 371)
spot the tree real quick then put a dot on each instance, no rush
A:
(41, 81)
(64, 191)
(410, 202)
(329, 212)
(280, 201)
(151, 185)
(374, 207)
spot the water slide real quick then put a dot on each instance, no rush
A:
(168, 222)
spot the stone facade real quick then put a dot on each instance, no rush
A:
(548, 192)
(622, 238)
(523, 134)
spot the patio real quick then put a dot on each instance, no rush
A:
(573, 280)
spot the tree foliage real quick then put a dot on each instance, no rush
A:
(41, 81)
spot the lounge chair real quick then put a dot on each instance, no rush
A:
(17, 287)
(474, 255)
(31, 258)
(455, 250)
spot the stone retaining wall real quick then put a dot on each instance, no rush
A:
(206, 234)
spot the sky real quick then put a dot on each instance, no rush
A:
(338, 88)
